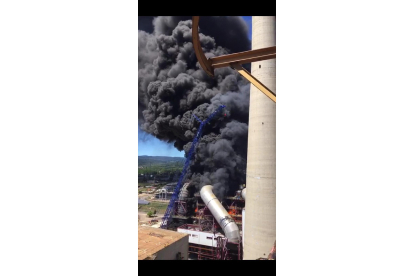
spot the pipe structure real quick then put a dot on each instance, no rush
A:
(183, 196)
(184, 192)
(260, 216)
(220, 214)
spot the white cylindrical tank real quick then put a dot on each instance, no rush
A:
(260, 218)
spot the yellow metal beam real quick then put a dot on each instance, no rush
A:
(254, 81)
(243, 57)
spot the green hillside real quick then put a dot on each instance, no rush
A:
(157, 165)
(145, 160)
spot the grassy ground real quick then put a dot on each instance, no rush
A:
(142, 189)
(159, 206)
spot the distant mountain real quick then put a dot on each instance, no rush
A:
(144, 160)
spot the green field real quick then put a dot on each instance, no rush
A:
(160, 169)
(159, 206)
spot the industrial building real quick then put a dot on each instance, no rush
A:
(163, 194)
(170, 186)
(214, 227)
(160, 244)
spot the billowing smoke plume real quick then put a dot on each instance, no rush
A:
(173, 87)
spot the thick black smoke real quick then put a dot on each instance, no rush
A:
(173, 88)
(228, 31)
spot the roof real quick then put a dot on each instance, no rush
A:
(142, 201)
(151, 240)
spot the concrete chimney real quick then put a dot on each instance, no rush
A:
(260, 214)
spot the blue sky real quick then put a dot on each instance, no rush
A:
(248, 20)
(149, 145)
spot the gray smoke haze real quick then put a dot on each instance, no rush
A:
(173, 88)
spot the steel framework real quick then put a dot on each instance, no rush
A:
(226, 250)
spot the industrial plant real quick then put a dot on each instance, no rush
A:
(223, 206)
